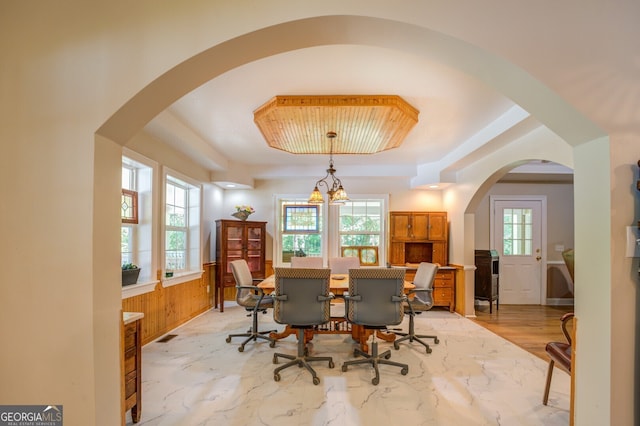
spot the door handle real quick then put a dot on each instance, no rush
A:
(538, 258)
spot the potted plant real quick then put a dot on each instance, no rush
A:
(130, 273)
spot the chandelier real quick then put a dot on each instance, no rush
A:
(335, 191)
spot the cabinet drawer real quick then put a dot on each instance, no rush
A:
(442, 296)
(440, 283)
(130, 336)
(130, 384)
(130, 361)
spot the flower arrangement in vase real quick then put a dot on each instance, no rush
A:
(243, 211)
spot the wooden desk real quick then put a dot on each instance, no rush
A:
(338, 285)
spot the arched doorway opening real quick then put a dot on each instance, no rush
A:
(201, 67)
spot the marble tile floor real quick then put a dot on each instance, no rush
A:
(473, 377)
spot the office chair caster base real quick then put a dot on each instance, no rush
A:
(436, 341)
(240, 348)
(375, 381)
(404, 371)
(276, 377)
(344, 368)
(331, 364)
(316, 381)
(228, 339)
(272, 344)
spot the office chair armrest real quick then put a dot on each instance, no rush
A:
(419, 290)
(414, 291)
(354, 297)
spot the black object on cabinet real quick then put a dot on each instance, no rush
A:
(486, 277)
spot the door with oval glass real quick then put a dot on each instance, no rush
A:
(517, 236)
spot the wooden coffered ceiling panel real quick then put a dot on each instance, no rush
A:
(364, 124)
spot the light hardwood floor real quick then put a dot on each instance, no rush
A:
(528, 326)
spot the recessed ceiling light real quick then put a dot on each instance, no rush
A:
(231, 185)
(434, 186)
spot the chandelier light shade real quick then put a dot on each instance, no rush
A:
(335, 190)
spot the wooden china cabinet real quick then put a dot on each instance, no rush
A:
(237, 239)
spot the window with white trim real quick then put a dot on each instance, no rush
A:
(136, 230)
(355, 228)
(361, 230)
(127, 229)
(301, 229)
(181, 224)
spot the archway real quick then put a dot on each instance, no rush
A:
(201, 67)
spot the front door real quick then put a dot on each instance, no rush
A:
(517, 236)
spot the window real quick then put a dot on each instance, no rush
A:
(129, 206)
(181, 225)
(301, 229)
(360, 229)
(301, 218)
(136, 230)
(128, 211)
(517, 232)
(355, 228)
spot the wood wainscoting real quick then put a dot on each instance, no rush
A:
(167, 308)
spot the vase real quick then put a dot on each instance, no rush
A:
(241, 215)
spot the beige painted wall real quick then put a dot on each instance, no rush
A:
(559, 214)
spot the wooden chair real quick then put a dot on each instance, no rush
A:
(559, 353)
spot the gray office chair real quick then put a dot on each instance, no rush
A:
(253, 300)
(341, 265)
(422, 301)
(306, 262)
(301, 300)
(374, 302)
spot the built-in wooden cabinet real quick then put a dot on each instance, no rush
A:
(423, 237)
(418, 237)
(236, 239)
(419, 226)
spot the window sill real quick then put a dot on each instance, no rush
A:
(138, 289)
(182, 277)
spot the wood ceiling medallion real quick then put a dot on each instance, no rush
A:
(364, 124)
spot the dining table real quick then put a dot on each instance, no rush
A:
(338, 285)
